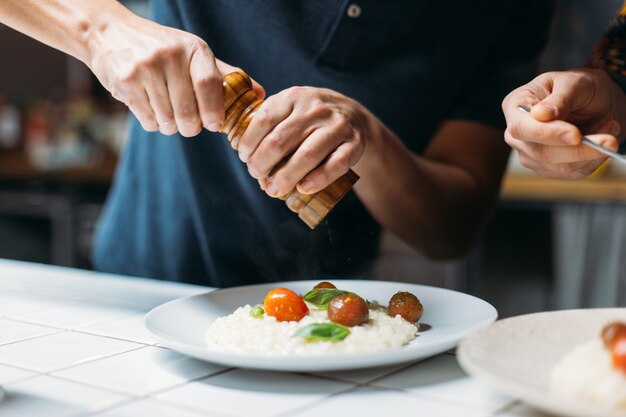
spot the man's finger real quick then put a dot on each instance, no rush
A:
(162, 107)
(523, 126)
(569, 92)
(271, 113)
(547, 155)
(140, 106)
(183, 99)
(207, 83)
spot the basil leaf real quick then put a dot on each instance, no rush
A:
(320, 297)
(330, 332)
(257, 311)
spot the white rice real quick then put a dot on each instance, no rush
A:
(242, 333)
(586, 373)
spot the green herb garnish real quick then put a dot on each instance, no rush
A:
(320, 297)
(257, 311)
(329, 332)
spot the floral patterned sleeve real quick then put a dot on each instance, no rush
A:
(610, 53)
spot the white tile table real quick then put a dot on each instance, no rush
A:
(72, 343)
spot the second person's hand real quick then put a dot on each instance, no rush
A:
(564, 106)
(168, 78)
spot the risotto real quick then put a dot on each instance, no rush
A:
(247, 330)
(591, 373)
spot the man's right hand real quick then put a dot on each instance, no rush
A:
(168, 78)
(565, 106)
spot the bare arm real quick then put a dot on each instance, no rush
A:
(168, 78)
(439, 201)
(69, 25)
(436, 202)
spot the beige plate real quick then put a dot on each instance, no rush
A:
(515, 356)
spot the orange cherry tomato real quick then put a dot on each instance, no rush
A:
(614, 338)
(618, 352)
(285, 305)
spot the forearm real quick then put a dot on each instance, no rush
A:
(436, 206)
(67, 25)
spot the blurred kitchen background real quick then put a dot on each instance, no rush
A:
(551, 244)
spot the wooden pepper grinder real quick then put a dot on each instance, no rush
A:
(241, 104)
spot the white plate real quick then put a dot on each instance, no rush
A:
(515, 356)
(182, 324)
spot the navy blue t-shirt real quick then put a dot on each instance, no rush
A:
(187, 209)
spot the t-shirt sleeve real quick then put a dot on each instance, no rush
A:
(509, 63)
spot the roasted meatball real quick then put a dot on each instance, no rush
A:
(406, 305)
(348, 309)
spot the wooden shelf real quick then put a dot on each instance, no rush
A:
(532, 187)
(16, 166)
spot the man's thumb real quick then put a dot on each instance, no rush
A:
(556, 106)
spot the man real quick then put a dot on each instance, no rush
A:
(566, 105)
(405, 92)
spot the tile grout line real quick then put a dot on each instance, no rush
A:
(31, 338)
(135, 396)
(437, 399)
(112, 337)
(49, 373)
(505, 408)
(191, 408)
(97, 359)
(107, 409)
(299, 408)
(17, 320)
(153, 395)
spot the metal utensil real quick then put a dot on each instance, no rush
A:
(590, 143)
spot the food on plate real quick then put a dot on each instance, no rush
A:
(614, 339)
(324, 284)
(595, 371)
(284, 305)
(406, 305)
(322, 321)
(348, 309)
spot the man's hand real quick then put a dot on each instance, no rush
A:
(321, 132)
(565, 106)
(168, 78)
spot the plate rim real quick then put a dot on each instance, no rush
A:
(539, 399)
(297, 363)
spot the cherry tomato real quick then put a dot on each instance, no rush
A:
(348, 309)
(618, 352)
(612, 332)
(614, 338)
(406, 305)
(285, 305)
(325, 284)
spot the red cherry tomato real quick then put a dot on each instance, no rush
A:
(614, 338)
(618, 352)
(285, 305)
